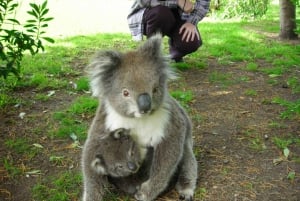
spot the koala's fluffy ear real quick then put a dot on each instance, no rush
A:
(152, 47)
(101, 71)
(117, 133)
(121, 132)
(98, 165)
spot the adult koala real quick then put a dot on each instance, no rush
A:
(132, 87)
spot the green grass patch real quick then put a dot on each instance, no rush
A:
(256, 141)
(184, 97)
(71, 121)
(42, 97)
(294, 83)
(251, 66)
(251, 92)
(68, 125)
(292, 108)
(63, 187)
(18, 145)
(10, 167)
(22, 146)
(282, 143)
(83, 105)
(82, 84)
(200, 193)
(6, 100)
(222, 79)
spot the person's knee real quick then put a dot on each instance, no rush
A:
(194, 45)
(159, 18)
(189, 47)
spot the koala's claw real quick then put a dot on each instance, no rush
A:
(185, 198)
(140, 196)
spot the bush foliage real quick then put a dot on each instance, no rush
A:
(244, 9)
(17, 38)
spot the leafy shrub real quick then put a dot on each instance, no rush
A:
(240, 8)
(15, 38)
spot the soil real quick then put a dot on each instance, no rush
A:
(233, 136)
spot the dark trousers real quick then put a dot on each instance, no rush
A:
(168, 22)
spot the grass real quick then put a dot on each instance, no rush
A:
(292, 108)
(11, 169)
(61, 68)
(184, 97)
(255, 140)
(55, 188)
(71, 121)
(222, 79)
(251, 92)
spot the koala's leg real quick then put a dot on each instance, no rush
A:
(187, 177)
(94, 188)
(128, 184)
(166, 157)
(95, 184)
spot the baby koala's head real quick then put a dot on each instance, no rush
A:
(117, 154)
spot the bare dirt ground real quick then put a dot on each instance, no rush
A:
(233, 139)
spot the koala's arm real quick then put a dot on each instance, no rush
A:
(167, 155)
(94, 184)
(94, 187)
(97, 126)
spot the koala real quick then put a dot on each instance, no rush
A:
(132, 89)
(108, 155)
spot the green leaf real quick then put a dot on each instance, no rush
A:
(44, 5)
(50, 40)
(48, 19)
(14, 21)
(31, 31)
(13, 6)
(35, 7)
(286, 152)
(31, 21)
(44, 12)
(34, 14)
(291, 175)
(29, 25)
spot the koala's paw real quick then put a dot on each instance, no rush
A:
(143, 193)
(186, 194)
(185, 197)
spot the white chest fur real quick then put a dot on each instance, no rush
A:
(148, 130)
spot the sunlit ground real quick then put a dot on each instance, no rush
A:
(82, 16)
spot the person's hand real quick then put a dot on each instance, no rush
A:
(186, 5)
(189, 32)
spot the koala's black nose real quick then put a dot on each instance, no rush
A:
(132, 166)
(144, 102)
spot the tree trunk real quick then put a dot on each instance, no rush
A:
(287, 20)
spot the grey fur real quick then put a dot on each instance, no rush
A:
(107, 154)
(155, 120)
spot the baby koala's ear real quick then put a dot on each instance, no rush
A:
(101, 71)
(121, 132)
(98, 165)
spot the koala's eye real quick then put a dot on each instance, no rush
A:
(126, 93)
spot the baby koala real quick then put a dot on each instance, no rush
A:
(109, 155)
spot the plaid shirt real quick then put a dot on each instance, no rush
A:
(136, 13)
